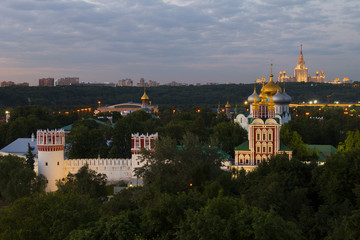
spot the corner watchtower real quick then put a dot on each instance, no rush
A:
(51, 144)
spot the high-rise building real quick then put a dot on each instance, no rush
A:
(125, 82)
(301, 73)
(46, 82)
(67, 81)
(7, 84)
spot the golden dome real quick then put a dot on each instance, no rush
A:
(144, 96)
(271, 88)
(227, 105)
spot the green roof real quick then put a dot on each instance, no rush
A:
(69, 127)
(324, 151)
(330, 149)
(243, 147)
(283, 147)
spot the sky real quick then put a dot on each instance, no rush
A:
(188, 41)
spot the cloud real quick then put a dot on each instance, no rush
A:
(125, 35)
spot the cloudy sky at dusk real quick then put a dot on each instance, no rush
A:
(187, 41)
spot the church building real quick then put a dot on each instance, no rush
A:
(268, 111)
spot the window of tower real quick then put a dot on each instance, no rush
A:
(258, 137)
(46, 163)
(58, 163)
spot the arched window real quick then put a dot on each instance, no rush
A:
(270, 135)
(264, 133)
(258, 135)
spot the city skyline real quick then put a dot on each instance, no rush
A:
(172, 40)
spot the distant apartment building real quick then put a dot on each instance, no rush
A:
(67, 81)
(151, 83)
(175, 84)
(125, 82)
(142, 83)
(46, 82)
(100, 84)
(7, 84)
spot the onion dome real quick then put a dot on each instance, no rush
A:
(227, 105)
(286, 97)
(251, 98)
(279, 98)
(271, 88)
(145, 96)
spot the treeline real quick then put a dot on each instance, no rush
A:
(89, 139)
(187, 196)
(207, 94)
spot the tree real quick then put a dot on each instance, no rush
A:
(85, 181)
(18, 180)
(174, 168)
(49, 216)
(30, 157)
(231, 218)
(351, 143)
(229, 135)
(86, 140)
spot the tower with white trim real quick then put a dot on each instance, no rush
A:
(51, 144)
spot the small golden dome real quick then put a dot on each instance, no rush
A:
(144, 96)
(227, 105)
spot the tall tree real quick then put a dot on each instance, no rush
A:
(30, 157)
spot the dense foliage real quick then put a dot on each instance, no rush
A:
(206, 94)
(185, 194)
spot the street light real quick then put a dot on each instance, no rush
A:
(99, 102)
